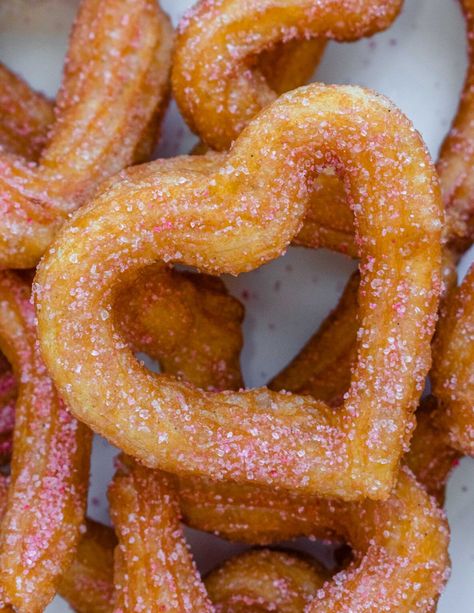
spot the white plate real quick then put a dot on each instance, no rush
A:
(420, 64)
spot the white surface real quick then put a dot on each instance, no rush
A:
(420, 64)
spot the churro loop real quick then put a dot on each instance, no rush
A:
(112, 92)
(281, 580)
(457, 156)
(249, 578)
(95, 587)
(453, 363)
(193, 331)
(264, 580)
(146, 535)
(177, 308)
(239, 513)
(184, 211)
(49, 467)
(26, 116)
(400, 545)
(88, 583)
(153, 565)
(218, 94)
(215, 82)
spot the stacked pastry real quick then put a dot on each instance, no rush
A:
(339, 446)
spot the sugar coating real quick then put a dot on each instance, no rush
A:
(266, 579)
(207, 505)
(391, 352)
(231, 213)
(26, 116)
(218, 78)
(399, 545)
(49, 467)
(453, 371)
(153, 565)
(106, 116)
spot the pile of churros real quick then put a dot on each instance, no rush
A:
(343, 445)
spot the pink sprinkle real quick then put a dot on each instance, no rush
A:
(167, 225)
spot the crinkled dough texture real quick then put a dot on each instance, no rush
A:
(219, 86)
(186, 322)
(49, 468)
(27, 119)
(113, 91)
(87, 585)
(217, 80)
(153, 565)
(265, 577)
(399, 545)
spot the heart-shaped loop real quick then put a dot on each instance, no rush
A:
(231, 213)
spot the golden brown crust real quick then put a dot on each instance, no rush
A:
(457, 156)
(154, 568)
(260, 515)
(431, 456)
(400, 557)
(323, 369)
(145, 502)
(186, 322)
(87, 585)
(399, 545)
(49, 468)
(265, 580)
(290, 64)
(26, 116)
(99, 122)
(453, 363)
(231, 213)
(216, 81)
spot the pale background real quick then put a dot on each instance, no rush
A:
(420, 64)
